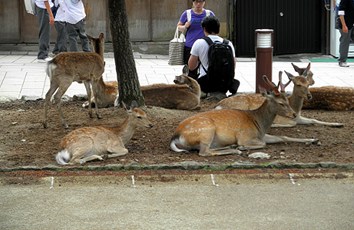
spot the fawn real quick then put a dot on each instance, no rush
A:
(215, 132)
(66, 68)
(96, 143)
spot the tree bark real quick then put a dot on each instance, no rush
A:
(127, 77)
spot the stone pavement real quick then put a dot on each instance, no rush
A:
(21, 74)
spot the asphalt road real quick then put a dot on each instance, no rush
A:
(177, 202)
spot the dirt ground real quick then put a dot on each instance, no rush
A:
(24, 141)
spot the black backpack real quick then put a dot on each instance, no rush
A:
(221, 69)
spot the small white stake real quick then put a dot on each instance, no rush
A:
(133, 181)
(291, 178)
(213, 180)
(52, 183)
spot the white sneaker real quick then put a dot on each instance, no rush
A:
(47, 59)
(343, 64)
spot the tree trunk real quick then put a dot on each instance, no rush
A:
(127, 77)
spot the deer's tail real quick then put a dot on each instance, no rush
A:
(50, 67)
(63, 157)
(175, 144)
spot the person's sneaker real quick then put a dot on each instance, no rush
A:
(47, 59)
(343, 64)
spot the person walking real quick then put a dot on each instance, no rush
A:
(190, 24)
(219, 79)
(45, 20)
(75, 25)
(60, 26)
(346, 15)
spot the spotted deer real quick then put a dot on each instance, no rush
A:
(215, 132)
(300, 93)
(97, 143)
(331, 98)
(66, 68)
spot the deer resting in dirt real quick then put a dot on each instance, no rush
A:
(184, 94)
(97, 143)
(216, 132)
(66, 68)
(331, 98)
(296, 99)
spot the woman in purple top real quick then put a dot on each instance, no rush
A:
(190, 23)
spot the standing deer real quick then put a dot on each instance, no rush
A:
(66, 68)
(296, 99)
(96, 143)
(215, 132)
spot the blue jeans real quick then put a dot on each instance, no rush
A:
(344, 42)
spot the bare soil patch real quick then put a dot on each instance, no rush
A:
(24, 141)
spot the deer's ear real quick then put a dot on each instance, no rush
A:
(262, 90)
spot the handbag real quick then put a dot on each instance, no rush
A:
(30, 6)
(176, 49)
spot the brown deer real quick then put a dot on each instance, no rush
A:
(215, 132)
(296, 99)
(106, 92)
(66, 68)
(184, 94)
(331, 98)
(96, 143)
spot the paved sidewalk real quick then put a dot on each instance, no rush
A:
(21, 74)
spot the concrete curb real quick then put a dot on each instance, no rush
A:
(186, 165)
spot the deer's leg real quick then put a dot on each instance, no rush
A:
(271, 139)
(307, 121)
(90, 96)
(281, 122)
(57, 99)
(251, 144)
(53, 87)
(89, 158)
(116, 149)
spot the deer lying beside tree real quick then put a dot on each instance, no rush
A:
(296, 99)
(184, 94)
(66, 68)
(96, 143)
(215, 132)
(331, 98)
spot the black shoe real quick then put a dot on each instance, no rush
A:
(234, 86)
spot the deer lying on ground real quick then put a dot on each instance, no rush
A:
(215, 132)
(300, 93)
(184, 94)
(331, 98)
(66, 68)
(96, 143)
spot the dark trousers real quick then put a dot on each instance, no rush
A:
(77, 30)
(44, 32)
(60, 45)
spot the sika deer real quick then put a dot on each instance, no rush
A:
(96, 143)
(331, 98)
(106, 92)
(299, 94)
(65, 68)
(214, 132)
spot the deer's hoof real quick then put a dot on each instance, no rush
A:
(45, 125)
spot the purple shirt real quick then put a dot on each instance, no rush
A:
(195, 31)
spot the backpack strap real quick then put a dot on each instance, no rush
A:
(207, 13)
(189, 15)
(210, 42)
